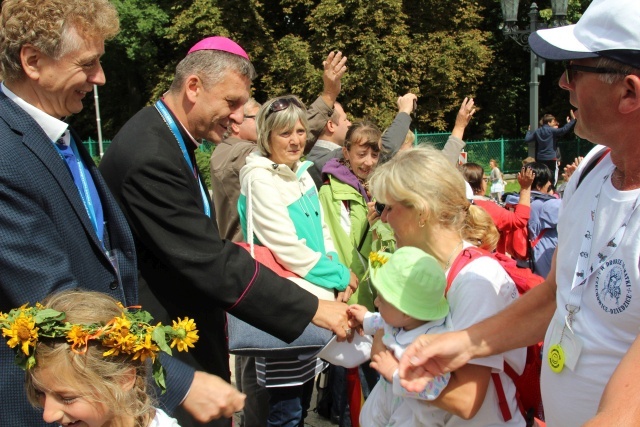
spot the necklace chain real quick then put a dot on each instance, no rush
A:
(453, 252)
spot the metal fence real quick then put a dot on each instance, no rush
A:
(94, 148)
(508, 152)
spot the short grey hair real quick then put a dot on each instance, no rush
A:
(211, 67)
(267, 122)
(611, 78)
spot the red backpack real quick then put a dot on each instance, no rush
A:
(528, 383)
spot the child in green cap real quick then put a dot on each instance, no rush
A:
(411, 302)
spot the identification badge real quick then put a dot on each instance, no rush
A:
(572, 346)
(565, 347)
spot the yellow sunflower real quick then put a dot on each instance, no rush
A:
(186, 334)
(22, 332)
(146, 348)
(77, 336)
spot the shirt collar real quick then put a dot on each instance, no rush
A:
(51, 126)
(323, 143)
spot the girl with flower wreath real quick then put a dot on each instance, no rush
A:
(85, 356)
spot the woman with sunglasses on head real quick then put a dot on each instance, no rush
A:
(279, 208)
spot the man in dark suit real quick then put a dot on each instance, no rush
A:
(150, 167)
(60, 227)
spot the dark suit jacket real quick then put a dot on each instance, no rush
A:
(181, 257)
(47, 242)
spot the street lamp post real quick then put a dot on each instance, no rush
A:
(537, 65)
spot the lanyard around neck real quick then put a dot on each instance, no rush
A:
(584, 269)
(164, 112)
(85, 193)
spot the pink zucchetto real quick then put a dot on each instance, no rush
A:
(219, 43)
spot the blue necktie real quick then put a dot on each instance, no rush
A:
(74, 165)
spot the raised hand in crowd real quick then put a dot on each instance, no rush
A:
(334, 68)
(526, 177)
(466, 112)
(571, 168)
(407, 103)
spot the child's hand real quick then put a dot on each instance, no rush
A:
(357, 312)
(385, 363)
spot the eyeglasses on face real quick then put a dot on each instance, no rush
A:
(282, 104)
(570, 70)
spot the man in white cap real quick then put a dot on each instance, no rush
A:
(589, 305)
(185, 268)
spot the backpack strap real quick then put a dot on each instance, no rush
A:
(537, 239)
(465, 257)
(502, 399)
(592, 165)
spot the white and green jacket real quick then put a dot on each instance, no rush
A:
(287, 218)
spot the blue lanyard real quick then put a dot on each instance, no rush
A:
(176, 133)
(85, 193)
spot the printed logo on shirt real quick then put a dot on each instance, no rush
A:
(613, 287)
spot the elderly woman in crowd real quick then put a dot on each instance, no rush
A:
(279, 208)
(426, 205)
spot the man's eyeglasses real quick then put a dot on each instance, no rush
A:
(570, 70)
(282, 104)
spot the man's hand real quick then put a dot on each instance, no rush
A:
(210, 398)
(334, 69)
(333, 315)
(432, 355)
(385, 363)
(465, 113)
(406, 103)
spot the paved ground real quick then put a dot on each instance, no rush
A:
(312, 420)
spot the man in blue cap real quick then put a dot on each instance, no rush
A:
(587, 309)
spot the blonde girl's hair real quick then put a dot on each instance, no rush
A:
(268, 121)
(100, 377)
(423, 179)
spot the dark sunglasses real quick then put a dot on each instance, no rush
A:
(282, 104)
(379, 208)
(570, 70)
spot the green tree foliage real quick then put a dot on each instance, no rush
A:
(443, 50)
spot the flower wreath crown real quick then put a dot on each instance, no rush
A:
(130, 333)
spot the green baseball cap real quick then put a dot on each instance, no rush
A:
(412, 281)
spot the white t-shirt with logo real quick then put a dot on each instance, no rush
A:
(608, 320)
